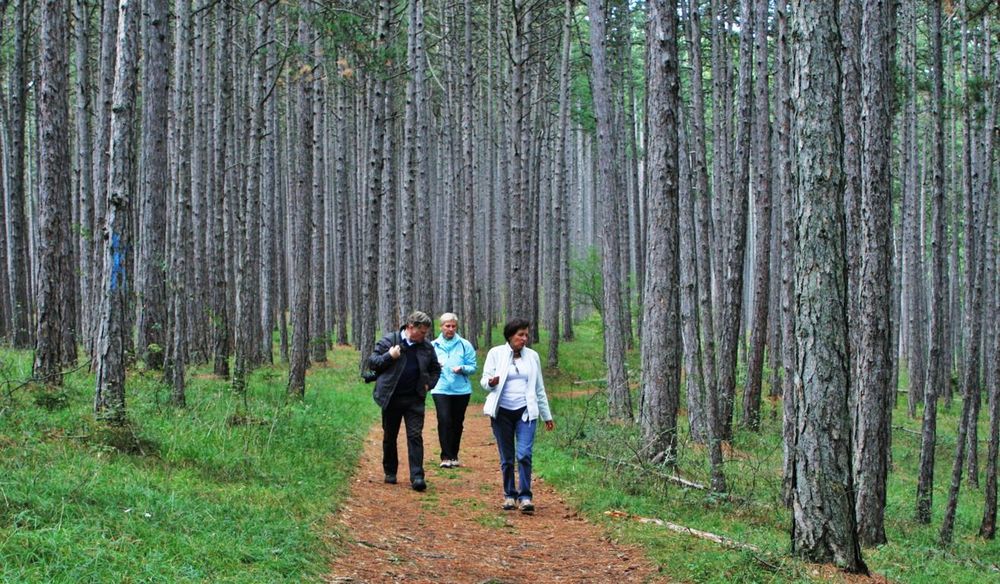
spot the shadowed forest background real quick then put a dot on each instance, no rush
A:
(758, 241)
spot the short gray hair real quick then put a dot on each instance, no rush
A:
(448, 317)
(418, 318)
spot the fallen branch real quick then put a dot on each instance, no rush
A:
(666, 476)
(719, 539)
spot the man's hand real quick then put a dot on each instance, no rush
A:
(395, 351)
(550, 425)
(456, 369)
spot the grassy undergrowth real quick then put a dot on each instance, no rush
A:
(594, 463)
(180, 495)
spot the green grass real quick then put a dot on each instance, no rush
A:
(199, 500)
(593, 463)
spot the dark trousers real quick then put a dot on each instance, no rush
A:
(451, 422)
(411, 409)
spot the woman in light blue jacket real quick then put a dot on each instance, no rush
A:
(453, 390)
(513, 376)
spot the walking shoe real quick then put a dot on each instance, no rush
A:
(508, 504)
(445, 464)
(390, 479)
(455, 463)
(418, 485)
(526, 506)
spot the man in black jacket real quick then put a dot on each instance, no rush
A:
(407, 368)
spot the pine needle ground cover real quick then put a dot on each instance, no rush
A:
(213, 492)
(595, 465)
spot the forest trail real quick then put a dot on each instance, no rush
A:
(457, 532)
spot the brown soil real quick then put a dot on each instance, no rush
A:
(456, 532)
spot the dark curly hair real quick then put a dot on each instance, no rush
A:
(513, 325)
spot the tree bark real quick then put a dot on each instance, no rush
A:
(109, 400)
(84, 169)
(151, 317)
(54, 249)
(762, 211)
(937, 374)
(661, 346)
(556, 286)
(736, 229)
(824, 527)
(619, 398)
(221, 177)
(18, 274)
(182, 247)
(301, 237)
(873, 367)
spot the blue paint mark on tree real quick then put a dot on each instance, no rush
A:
(117, 262)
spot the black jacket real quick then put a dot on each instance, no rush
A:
(389, 369)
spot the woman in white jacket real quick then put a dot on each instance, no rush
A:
(513, 376)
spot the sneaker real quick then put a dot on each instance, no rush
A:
(418, 485)
(508, 504)
(446, 464)
(455, 463)
(526, 506)
(390, 479)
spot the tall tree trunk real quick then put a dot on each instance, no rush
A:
(661, 347)
(619, 398)
(301, 237)
(850, 91)
(54, 192)
(988, 527)
(824, 528)
(319, 336)
(789, 218)
(18, 274)
(151, 318)
(247, 280)
(913, 265)
(984, 169)
(693, 387)
(84, 169)
(937, 374)
(102, 134)
(5, 292)
(762, 211)
(555, 289)
(736, 229)
(408, 201)
(701, 194)
(182, 246)
(222, 176)
(343, 274)
(373, 247)
(873, 368)
(109, 399)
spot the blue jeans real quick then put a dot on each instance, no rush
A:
(514, 438)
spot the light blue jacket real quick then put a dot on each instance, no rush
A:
(451, 353)
(498, 361)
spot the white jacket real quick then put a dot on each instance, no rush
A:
(498, 361)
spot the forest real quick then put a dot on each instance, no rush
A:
(763, 235)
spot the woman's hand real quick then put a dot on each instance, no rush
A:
(456, 369)
(550, 424)
(494, 380)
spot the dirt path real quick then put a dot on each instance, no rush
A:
(456, 531)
